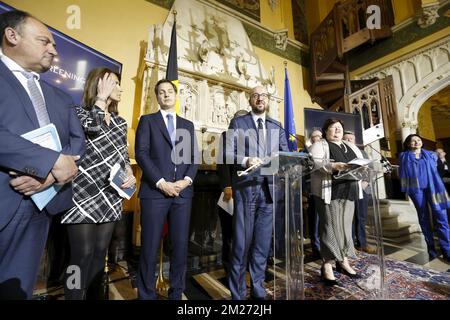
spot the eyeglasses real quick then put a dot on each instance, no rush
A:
(259, 96)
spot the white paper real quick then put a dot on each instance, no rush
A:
(227, 206)
(360, 161)
(46, 137)
(116, 177)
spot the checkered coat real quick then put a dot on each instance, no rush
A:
(95, 201)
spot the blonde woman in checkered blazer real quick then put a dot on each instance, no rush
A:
(97, 206)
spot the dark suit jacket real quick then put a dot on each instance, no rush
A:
(224, 171)
(154, 154)
(17, 116)
(441, 169)
(244, 144)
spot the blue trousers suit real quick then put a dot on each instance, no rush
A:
(421, 200)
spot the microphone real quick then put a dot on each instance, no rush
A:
(388, 166)
(308, 161)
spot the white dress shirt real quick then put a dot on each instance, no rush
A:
(255, 118)
(174, 117)
(164, 114)
(17, 71)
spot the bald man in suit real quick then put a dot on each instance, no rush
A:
(26, 104)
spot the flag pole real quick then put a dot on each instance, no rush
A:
(162, 284)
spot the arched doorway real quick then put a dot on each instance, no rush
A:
(434, 120)
(417, 76)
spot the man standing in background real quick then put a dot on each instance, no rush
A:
(361, 208)
(443, 168)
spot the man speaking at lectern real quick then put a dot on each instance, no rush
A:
(251, 140)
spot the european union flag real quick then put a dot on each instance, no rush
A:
(289, 124)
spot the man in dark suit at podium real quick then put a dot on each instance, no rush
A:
(253, 138)
(361, 207)
(166, 189)
(28, 103)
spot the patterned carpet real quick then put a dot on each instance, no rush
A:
(403, 280)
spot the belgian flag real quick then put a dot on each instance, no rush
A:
(172, 63)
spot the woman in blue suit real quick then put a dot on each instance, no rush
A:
(421, 181)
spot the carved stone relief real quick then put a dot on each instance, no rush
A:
(273, 4)
(429, 15)
(281, 39)
(188, 95)
(217, 67)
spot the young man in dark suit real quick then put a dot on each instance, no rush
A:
(166, 151)
(26, 104)
(255, 137)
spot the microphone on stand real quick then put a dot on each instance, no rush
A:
(308, 161)
(384, 161)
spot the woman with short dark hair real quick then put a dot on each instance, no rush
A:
(421, 181)
(335, 200)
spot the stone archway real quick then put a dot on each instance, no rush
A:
(417, 96)
(417, 76)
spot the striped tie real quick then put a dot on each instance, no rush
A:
(37, 99)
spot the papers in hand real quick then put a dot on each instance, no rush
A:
(360, 161)
(227, 206)
(46, 137)
(117, 177)
(356, 171)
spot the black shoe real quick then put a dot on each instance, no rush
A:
(328, 282)
(340, 269)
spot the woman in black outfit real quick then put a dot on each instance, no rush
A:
(335, 200)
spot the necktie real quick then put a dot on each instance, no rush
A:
(343, 148)
(261, 140)
(171, 128)
(37, 99)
